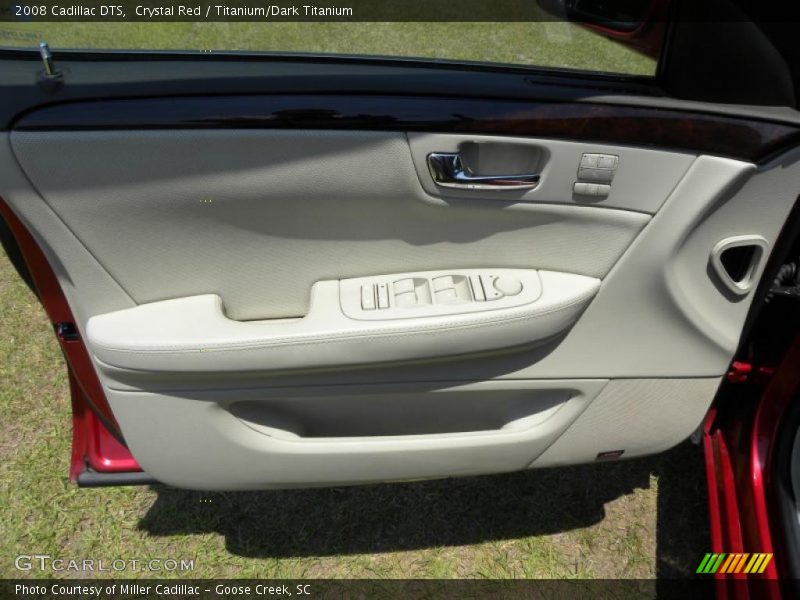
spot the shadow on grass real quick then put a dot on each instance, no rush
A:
(409, 516)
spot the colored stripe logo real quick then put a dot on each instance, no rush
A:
(734, 563)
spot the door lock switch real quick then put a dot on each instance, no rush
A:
(597, 168)
(607, 161)
(598, 175)
(599, 161)
(591, 189)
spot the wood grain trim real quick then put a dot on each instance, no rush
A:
(702, 133)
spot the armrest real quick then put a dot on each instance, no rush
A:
(194, 335)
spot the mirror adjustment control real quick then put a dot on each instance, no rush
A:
(508, 286)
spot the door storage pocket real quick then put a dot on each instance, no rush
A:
(400, 413)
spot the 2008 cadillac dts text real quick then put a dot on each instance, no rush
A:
(181, 10)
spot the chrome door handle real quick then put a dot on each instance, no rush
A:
(447, 170)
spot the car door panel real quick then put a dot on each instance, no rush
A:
(205, 266)
(258, 216)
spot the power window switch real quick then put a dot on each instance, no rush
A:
(368, 297)
(383, 295)
(443, 283)
(405, 299)
(447, 297)
(403, 286)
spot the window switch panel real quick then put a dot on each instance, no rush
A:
(437, 293)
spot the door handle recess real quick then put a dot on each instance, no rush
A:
(447, 170)
(738, 272)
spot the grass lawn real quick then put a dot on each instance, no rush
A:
(639, 518)
(544, 44)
